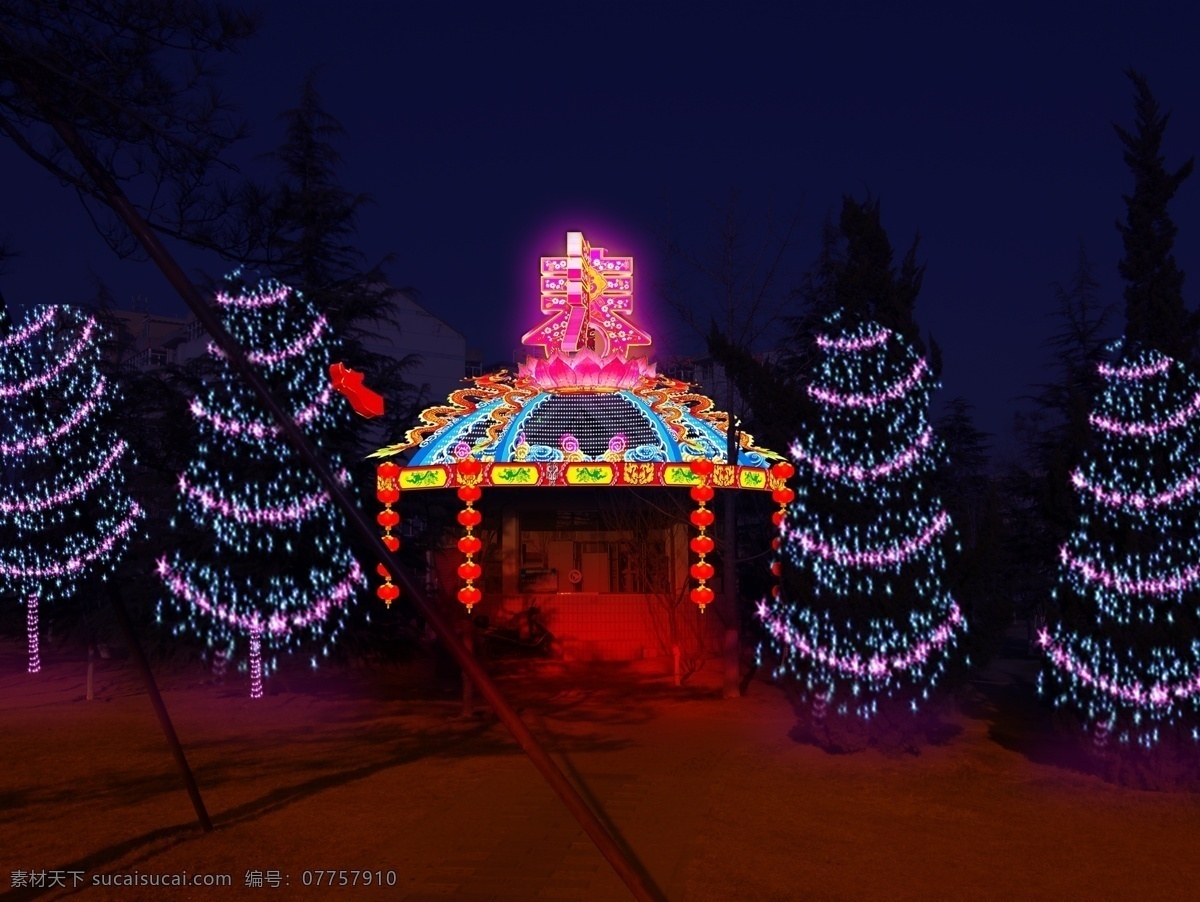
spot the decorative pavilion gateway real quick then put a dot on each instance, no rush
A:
(588, 414)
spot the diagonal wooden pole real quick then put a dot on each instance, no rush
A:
(160, 709)
(639, 884)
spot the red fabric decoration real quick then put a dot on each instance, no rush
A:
(349, 382)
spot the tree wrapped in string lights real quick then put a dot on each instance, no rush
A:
(863, 616)
(275, 568)
(1123, 652)
(64, 515)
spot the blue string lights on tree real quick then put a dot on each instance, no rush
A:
(1124, 652)
(863, 614)
(64, 514)
(278, 569)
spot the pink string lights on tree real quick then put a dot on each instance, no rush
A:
(67, 514)
(278, 571)
(1123, 645)
(864, 614)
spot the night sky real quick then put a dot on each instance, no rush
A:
(484, 138)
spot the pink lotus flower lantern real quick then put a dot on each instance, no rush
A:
(585, 371)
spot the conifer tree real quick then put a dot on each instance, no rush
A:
(864, 617)
(855, 273)
(1056, 431)
(64, 515)
(1124, 651)
(275, 568)
(310, 224)
(1155, 314)
(1123, 646)
(868, 285)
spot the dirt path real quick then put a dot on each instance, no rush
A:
(370, 771)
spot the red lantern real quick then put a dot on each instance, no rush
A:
(469, 517)
(387, 491)
(469, 493)
(778, 517)
(776, 568)
(702, 544)
(469, 571)
(783, 496)
(469, 544)
(775, 590)
(469, 595)
(776, 544)
(470, 467)
(783, 470)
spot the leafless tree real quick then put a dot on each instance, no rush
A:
(649, 527)
(731, 293)
(136, 79)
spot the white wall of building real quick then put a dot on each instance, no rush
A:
(442, 349)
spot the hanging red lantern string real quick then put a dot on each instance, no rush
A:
(387, 490)
(783, 496)
(702, 518)
(469, 492)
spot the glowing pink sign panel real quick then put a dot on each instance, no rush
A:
(588, 296)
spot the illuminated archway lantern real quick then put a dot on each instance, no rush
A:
(586, 409)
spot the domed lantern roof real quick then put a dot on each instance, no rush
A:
(589, 409)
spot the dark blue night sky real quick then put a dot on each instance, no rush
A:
(484, 137)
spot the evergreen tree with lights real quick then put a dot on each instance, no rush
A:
(276, 568)
(1123, 652)
(1123, 645)
(863, 617)
(64, 515)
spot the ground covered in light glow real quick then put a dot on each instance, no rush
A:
(376, 770)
